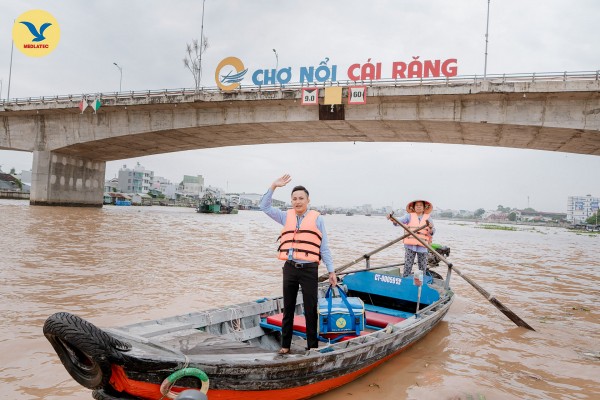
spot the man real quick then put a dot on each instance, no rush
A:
(303, 244)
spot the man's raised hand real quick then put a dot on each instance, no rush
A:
(282, 181)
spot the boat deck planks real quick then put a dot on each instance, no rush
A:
(194, 342)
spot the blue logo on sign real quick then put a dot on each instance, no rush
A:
(233, 78)
(37, 36)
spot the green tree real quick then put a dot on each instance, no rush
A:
(19, 183)
(512, 216)
(446, 214)
(529, 209)
(503, 209)
(593, 220)
(479, 212)
(13, 171)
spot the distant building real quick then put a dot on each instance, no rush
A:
(160, 183)
(192, 186)
(279, 204)
(165, 186)
(251, 199)
(233, 199)
(497, 216)
(111, 185)
(24, 177)
(366, 208)
(540, 216)
(580, 208)
(9, 182)
(136, 180)
(141, 199)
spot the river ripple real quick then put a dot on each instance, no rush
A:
(118, 265)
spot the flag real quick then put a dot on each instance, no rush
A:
(83, 104)
(96, 104)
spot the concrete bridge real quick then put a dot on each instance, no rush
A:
(70, 149)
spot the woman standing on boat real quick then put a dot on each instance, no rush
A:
(417, 214)
(303, 244)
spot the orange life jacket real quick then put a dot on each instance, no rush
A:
(424, 234)
(305, 240)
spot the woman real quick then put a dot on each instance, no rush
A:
(417, 214)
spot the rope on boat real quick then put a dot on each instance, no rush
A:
(236, 323)
(186, 363)
(167, 384)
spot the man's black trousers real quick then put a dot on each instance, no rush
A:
(306, 278)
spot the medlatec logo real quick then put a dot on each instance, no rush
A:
(229, 78)
(36, 33)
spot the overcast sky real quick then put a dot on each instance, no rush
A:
(147, 38)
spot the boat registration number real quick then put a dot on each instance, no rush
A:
(388, 279)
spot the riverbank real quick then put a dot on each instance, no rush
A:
(503, 222)
(12, 195)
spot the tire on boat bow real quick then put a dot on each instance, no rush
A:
(85, 350)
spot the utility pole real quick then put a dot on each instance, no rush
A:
(486, 40)
(199, 84)
(10, 69)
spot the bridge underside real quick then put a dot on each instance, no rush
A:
(71, 149)
(481, 134)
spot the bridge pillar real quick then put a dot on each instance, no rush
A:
(65, 180)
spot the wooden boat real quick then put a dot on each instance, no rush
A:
(236, 346)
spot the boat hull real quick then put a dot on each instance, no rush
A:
(295, 393)
(209, 208)
(231, 347)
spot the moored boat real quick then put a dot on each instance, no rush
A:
(236, 346)
(213, 208)
(210, 204)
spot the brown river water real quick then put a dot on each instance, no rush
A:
(119, 265)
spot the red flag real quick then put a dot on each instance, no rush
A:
(83, 104)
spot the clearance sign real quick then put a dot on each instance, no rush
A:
(36, 33)
(231, 71)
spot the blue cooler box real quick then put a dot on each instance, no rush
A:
(341, 320)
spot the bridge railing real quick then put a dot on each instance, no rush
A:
(411, 82)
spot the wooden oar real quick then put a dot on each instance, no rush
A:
(324, 277)
(503, 309)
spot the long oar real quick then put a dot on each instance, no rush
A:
(503, 309)
(324, 277)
